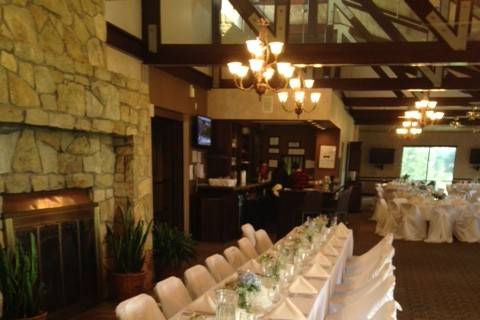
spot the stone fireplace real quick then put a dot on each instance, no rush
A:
(66, 122)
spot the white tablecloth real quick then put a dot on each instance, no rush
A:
(314, 307)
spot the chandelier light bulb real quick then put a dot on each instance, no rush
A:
(407, 124)
(282, 67)
(255, 47)
(233, 67)
(242, 71)
(256, 65)
(308, 83)
(415, 131)
(268, 74)
(402, 131)
(276, 47)
(283, 96)
(289, 72)
(299, 96)
(315, 97)
(432, 104)
(294, 83)
(413, 114)
(422, 104)
(439, 115)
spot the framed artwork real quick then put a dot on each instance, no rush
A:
(327, 157)
(273, 141)
(274, 150)
(294, 144)
(296, 152)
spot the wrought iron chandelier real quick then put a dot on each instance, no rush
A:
(409, 129)
(301, 87)
(424, 112)
(263, 65)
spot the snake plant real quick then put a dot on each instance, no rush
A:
(127, 243)
(171, 246)
(20, 280)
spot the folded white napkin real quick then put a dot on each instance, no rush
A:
(329, 250)
(342, 231)
(286, 311)
(302, 286)
(204, 304)
(316, 271)
(336, 242)
(322, 260)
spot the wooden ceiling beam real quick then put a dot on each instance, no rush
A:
(391, 117)
(403, 102)
(385, 53)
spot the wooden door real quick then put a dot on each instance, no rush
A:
(167, 162)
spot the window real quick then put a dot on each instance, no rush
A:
(429, 164)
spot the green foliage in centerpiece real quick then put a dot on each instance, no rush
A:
(271, 265)
(247, 286)
(20, 281)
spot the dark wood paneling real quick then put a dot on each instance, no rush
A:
(124, 41)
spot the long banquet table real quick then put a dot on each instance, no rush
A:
(314, 307)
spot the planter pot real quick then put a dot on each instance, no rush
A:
(42, 316)
(127, 285)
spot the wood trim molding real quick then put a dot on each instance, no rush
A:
(124, 41)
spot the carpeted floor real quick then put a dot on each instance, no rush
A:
(434, 281)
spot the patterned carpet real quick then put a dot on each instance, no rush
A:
(434, 281)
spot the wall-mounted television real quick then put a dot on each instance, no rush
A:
(475, 156)
(381, 156)
(202, 131)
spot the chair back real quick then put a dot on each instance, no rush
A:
(246, 247)
(219, 267)
(172, 295)
(198, 280)
(263, 241)
(235, 257)
(249, 232)
(139, 307)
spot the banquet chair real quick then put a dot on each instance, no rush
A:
(263, 241)
(172, 295)
(235, 257)
(358, 283)
(368, 305)
(343, 205)
(371, 267)
(381, 213)
(376, 213)
(372, 254)
(413, 225)
(139, 307)
(441, 225)
(249, 232)
(466, 227)
(219, 267)
(247, 248)
(198, 280)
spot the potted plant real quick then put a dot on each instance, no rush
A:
(20, 282)
(171, 247)
(126, 242)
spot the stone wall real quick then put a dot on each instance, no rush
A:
(65, 120)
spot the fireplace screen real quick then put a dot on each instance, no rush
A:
(63, 223)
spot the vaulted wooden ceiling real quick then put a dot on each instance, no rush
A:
(379, 54)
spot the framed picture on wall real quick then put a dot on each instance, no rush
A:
(273, 150)
(294, 144)
(273, 141)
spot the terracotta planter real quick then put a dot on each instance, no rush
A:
(127, 285)
(42, 316)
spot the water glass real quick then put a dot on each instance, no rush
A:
(227, 301)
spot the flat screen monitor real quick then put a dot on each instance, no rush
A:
(381, 156)
(202, 131)
(475, 156)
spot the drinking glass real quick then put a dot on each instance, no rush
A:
(227, 301)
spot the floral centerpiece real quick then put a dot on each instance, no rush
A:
(271, 266)
(247, 286)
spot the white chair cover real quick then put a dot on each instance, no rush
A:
(249, 232)
(390, 225)
(172, 295)
(263, 241)
(371, 266)
(343, 298)
(371, 255)
(441, 225)
(368, 305)
(387, 312)
(412, 226)
(139, 307)
(198, 280)
(246, 247)
(382, 217)
(360, 282)
(235, 257)
(466, 227)
(219, 267)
